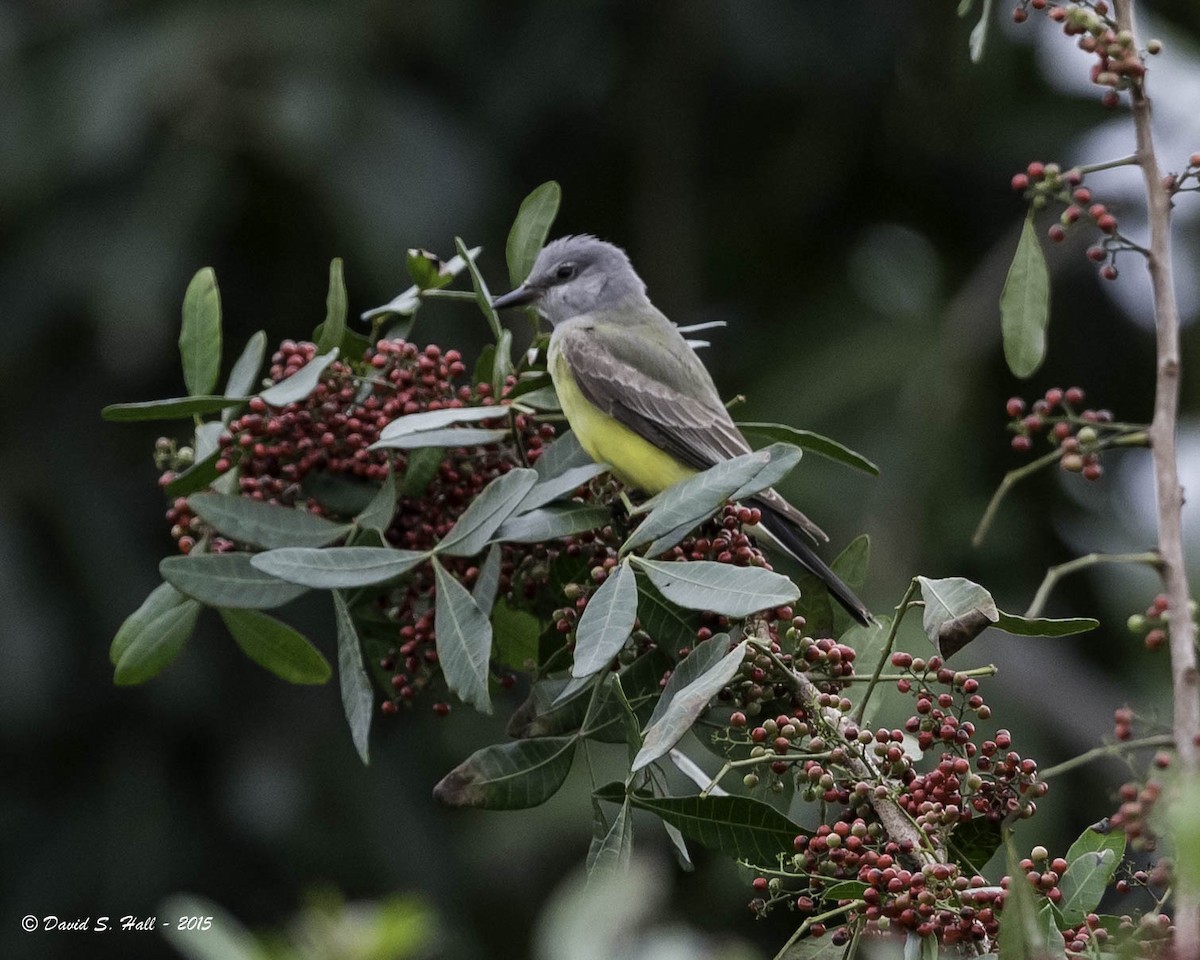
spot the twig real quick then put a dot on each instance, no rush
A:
(1054, 574)
(1011, 479)
(901, 609)
(1110, 750)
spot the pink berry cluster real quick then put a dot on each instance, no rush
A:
(1153, 623)
(1080, 435)
(1186, 182)
(1118, 64)
(1043, 183)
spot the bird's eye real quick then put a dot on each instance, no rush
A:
(565, 271)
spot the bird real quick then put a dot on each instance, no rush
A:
(636, 393)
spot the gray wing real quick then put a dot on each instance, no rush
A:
(650, 380)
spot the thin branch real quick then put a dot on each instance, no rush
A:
(1011, 479)
(1054, 574)
(1110, 750)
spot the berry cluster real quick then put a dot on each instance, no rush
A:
(1044, 183)
(1079, 436)
(1118, 64)
(1186, 182)
(1153, 623)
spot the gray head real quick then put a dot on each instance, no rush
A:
(574, 275)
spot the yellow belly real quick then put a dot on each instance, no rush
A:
(634, 461)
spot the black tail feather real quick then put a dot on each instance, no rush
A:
(792, 540)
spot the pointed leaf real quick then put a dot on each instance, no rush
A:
(509, 776)
(530, 229)
(553, 523)
(1084, 884)
(358, 699)
(1043, 626)
(451, 437)
(515, 636)
(973, 843)
(978, 38)
(207, 439)
(378, 514)
(487, 584)
(264, 524)
(686, 504)
(706, 656)
(851, 564)
(719, 587)
(738, 827)
(610, 853)
(420, 470)
(686, 706)
(243, 378)
(196, 477)
(334, 327)
(783, 460)
(300, 384)
(336, 567)
(408, 302)
(606, 623)
(1099, 836)
(338, 493)
(494, 504)
(562, 455)
(1025, 301)
(152, 636)
(275, 646)
(1021, 935)
(425, 268)
(813, 443)
(482, 296)
(437, 419)
(176, 408)
(464, 641)
(227, 580)
(955, 602)
(200, 335)
(570, 480)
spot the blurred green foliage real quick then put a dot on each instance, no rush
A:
(831, 179)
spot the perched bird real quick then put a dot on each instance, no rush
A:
(637, 395)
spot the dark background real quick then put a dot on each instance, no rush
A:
(831, 179)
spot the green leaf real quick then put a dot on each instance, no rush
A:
(566, 482)
(1043, 626)
(407, 303)
(452, 437)
(264, 524)
(844, 890)
(482, 296)
(200, 335)
(509, 776)
(530, 229)
(358, 700)
(225, 939)
(553, 523)
(738, 827)
(244, 376)
(437, 419)
(207, 439)
(953, 600)
(1025, 300)
(545, 399)
(606, 623)
(196, 477)
(612, 846)
(300, 384)
(425, 268)
(562, 455)
(1021, 934)
(378, 514)
(704, 657)
(176, 408)
(334, 328)
(852, 563)
(338, 493)
(812, 442)
(973, 843)
(422, 467)
(464, 640)
(719, 587)
(337, 567)
(783, 460)
(978, 38)
(515, 635)
(494, 504)
(502, 364)
(1084, 883)
(277, 647)
(227, 580)
(487, 583)
(685, 706)
(1097, 838)
(671, 627)
(153, 635)
(687, 503)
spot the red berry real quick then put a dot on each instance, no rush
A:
(1098, 254)
(1015, 406)
(1107, 223)
(1097, 210)
(1054, 396)
(1036, 170)
(1020, 15)
(1056, 233)
(1108, 272)
(1082, 195)
(1022, 444)
(1111, 99)
(1020, 182)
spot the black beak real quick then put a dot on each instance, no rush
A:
(524, 294)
